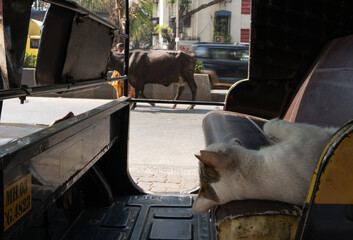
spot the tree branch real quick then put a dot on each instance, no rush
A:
(203, 6)
(182, 10)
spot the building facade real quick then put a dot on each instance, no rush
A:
(228, 21)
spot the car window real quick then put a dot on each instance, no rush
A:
(202, 52)
(230, 54)
(242, 55)
(222, 53)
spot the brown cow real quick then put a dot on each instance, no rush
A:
(158, 66)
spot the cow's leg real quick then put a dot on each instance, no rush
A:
(144, 96)
(137, 91)
(193, 88)
(180, 90)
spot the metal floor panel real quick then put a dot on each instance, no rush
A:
(144, 217)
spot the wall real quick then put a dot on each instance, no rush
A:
(202, 22)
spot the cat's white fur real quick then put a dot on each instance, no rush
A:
(282, 171)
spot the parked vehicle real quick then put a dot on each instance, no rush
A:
(224, 63)
(33, 36)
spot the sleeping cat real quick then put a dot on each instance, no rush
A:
(281, 171)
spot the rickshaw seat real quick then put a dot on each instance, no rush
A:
(325, 98)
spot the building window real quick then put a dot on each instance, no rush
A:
(222, 26)
(155, 22)
(245, 35)
(187, 21)
(172, 22)
(34, 43)
(245, 7)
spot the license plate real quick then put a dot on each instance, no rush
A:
(17, 200)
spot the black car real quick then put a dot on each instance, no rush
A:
(225, 63)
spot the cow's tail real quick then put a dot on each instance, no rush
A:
(192, 63)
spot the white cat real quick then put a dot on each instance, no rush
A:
(281, 172)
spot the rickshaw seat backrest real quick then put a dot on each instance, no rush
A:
(325, 97)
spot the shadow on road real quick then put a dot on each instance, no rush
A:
(166, 108)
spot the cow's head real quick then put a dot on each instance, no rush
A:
(116, 62)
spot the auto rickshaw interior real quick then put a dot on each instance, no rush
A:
(74, 175)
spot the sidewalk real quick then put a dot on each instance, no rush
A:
(165, 179)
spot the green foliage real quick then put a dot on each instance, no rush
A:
(220, 29)
(30, 60)
(140, 13)
(96, 5)
(227, 38)
(163, 29)
(199, 68)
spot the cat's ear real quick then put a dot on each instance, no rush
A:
(202, 204)
(210, 158)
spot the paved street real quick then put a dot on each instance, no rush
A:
(162, 141)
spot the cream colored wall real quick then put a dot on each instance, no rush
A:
(202, 23)
(236, 20)
(163, 14)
